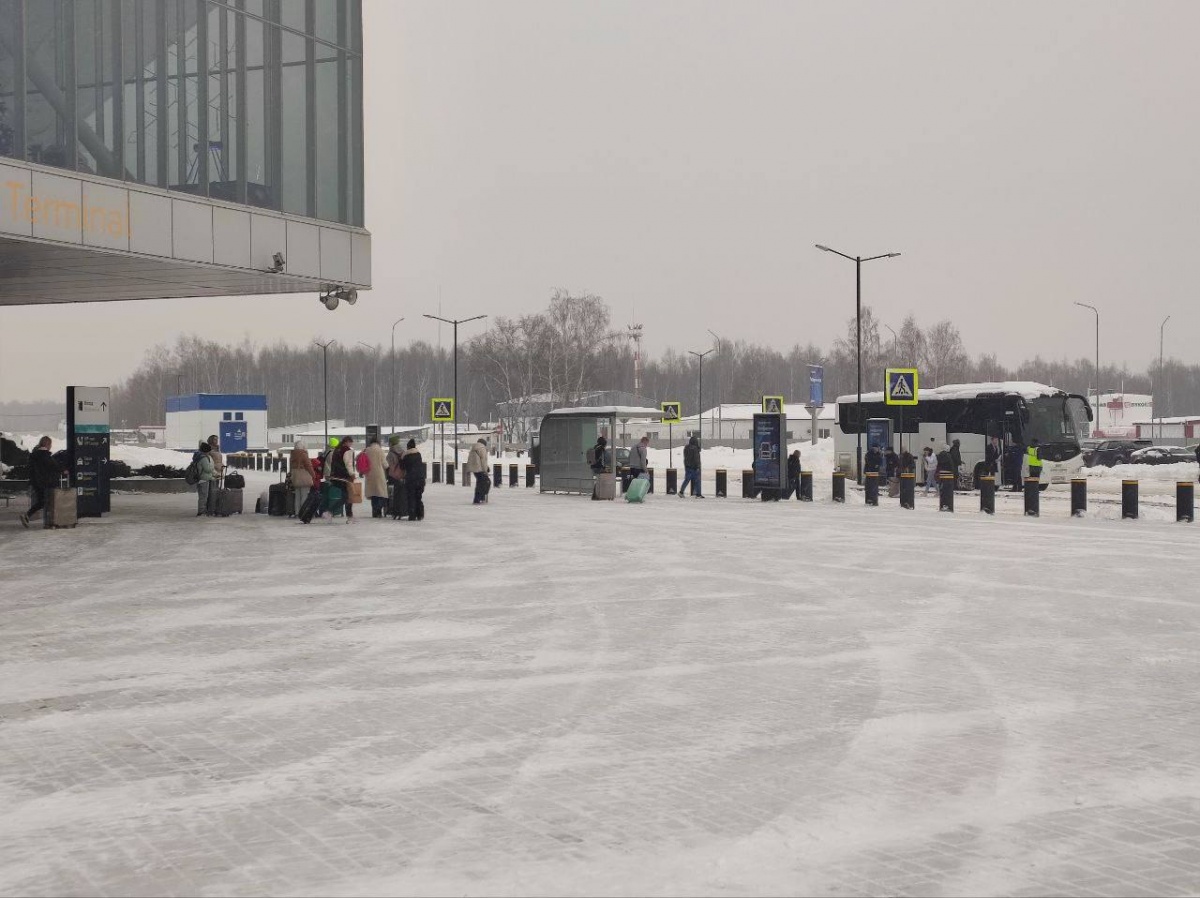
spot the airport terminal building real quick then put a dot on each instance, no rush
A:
(172, 148)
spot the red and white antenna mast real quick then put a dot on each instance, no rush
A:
(635, 334)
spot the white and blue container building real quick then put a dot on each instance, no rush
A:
(239, 419)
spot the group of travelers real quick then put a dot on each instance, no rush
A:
(209, 465)
(600, 461)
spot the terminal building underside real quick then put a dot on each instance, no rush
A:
(168, 148)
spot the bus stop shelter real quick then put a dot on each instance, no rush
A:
(565, 436)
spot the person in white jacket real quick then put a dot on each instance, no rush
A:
(477, 464)
(929, 463)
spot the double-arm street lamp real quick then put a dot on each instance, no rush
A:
(721, 356)
(1157, 404)
(374, 383)
(325, 384)
(1096, 410)
(455, 322)
(395, 388)
(858, 260)
(700, 388)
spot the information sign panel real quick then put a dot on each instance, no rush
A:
(770, 451)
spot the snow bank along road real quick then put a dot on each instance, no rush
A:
(548, 695)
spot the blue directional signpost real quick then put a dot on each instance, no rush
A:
(816, 397)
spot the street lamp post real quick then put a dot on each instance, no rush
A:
(395, 390)
(455, 322)
(1084, 305)
(858, 260)
(720, 409)
(374, 383)
(700, 388)
(1157, 404)
(325, 384)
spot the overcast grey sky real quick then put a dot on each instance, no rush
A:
(682, 158)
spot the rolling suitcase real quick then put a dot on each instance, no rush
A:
(277, 500)
(638, 488)
(398, 504)
(606, 486)
(333, 499)
(229, 502)
(61, 509)
(308, 510)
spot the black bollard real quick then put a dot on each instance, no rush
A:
(722, 488)
(1185, 501)
(1078, 497)
(512, 475)
(908, 490)
(437, 473)
(467, 479)
(672, 481)
(450, 478)
(748, 484)
(623, 479)
(806, 486)
(497, 474)
(1129, 499)
(871, 487)
(1033, 496)
(987, 494)
(946, 492)
(650, 475)
(839, 486)
(530, 476)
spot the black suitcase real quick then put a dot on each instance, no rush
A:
(308, 510)
(487, 486)
(229, 502)
(398, 504)
(279, 497)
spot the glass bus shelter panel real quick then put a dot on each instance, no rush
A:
(563, 447)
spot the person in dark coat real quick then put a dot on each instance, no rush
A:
(793, 475)
(873, 460)
(991, 456)
(342, 473)
(44, 474)
(414, 481)
(691, 468)
(956, 456)
(945, 462)
(1013, 457)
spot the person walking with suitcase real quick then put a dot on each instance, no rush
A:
(414, 481)
(477, 464)
(44, 475)
(691, 468)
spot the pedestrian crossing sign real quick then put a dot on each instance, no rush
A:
(772, 405)
(672, 412)
(441, 409)
(901, 386)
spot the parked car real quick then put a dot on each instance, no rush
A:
(1161, 455)
(1088, 447)
(1113, 452)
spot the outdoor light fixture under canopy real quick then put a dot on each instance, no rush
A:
(334, 295)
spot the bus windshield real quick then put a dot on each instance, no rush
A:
(1056, 419)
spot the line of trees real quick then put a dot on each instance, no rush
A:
(572, 348)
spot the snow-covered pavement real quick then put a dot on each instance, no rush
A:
(548, 695)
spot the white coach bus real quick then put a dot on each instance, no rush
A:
(1011, 412)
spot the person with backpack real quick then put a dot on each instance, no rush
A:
(597, 456)
(342, 474)
(206, 499)
(414, 481)
(376, 475)
(691, 468)
(477, 464)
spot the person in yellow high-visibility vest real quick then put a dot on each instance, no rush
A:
(1033, 459)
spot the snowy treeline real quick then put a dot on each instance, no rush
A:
(574, 347)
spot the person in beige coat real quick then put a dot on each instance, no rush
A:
(303, 475)
(477, 464)
(376, 485)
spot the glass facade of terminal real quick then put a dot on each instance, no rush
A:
(257, 102)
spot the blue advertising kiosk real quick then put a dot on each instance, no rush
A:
(770, 454)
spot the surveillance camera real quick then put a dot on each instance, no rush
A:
(279, 263)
